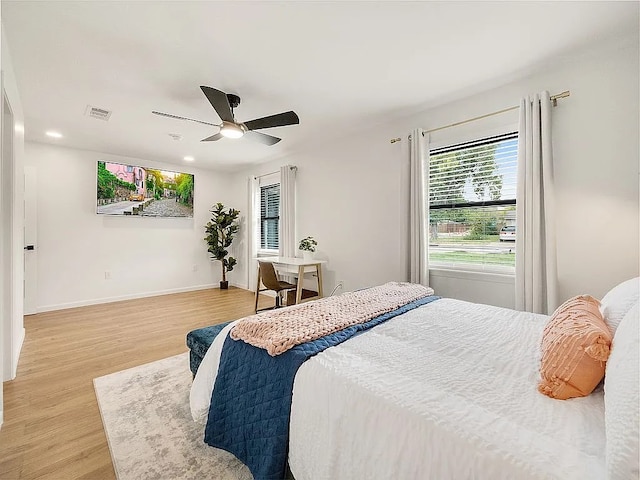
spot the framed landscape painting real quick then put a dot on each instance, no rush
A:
(146, 192)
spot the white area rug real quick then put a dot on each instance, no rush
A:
(145, 412)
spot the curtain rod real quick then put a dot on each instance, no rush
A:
(292, 167)
(554, 102)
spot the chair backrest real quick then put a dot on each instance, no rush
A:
(269, 276)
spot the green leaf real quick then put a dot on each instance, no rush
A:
(220, 234)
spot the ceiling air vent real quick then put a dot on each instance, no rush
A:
(99, 113)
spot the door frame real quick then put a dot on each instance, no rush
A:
(7, 182)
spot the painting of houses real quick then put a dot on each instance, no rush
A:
(130, 174)
(133, 190)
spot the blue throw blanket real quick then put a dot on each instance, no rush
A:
(251, 401)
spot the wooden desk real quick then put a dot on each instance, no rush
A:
(299, 266)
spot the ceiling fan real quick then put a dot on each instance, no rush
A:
(223, 104)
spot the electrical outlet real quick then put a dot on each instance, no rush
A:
(195, 268)
(107, 275)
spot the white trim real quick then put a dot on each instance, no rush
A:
(271, 179)
(470, 270)
(479, 268)
(8, 219)
(267, 253)
(268, 293)
(471, 135)
(16, 354)
(470, 275)
(97, 301)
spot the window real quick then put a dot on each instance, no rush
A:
(472, 204)
(269, 216)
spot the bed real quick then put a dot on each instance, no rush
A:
(447, 390)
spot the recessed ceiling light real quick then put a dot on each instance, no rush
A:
(54, 134)
(189, 158)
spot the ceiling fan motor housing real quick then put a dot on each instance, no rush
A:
(234, 100)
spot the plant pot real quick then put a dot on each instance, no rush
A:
(306, 255)
(224, 285)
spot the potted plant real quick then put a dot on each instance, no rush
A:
(220, 231)
(307, 246)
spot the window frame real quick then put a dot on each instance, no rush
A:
(266, 181)
(451, 146)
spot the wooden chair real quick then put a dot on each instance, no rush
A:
(267, 273)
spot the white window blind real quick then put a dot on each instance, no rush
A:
(269, 216)
(472, 197)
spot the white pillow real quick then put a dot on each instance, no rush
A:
(622, 400)
(618, 301)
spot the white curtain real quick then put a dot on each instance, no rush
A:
(536, 268)
(419, 212)
(253, 224)
(287, 244)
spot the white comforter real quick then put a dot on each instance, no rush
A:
(446, 391)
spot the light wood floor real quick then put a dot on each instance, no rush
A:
(52, 427)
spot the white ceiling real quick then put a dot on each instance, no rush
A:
(342, 66)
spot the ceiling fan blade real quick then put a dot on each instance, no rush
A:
(219, 102)
(277, 120)
(212, 138)
(184, 118)
(262, 138)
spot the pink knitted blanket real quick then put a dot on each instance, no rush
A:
(279, 330)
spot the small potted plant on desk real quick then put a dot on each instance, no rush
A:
(308, 247)
(220, 231)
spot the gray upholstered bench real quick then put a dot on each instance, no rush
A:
(199, 342)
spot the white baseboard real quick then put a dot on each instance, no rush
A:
(96, 301)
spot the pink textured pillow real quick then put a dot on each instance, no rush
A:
(575, 347)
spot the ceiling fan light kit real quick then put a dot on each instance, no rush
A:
(231, 130)
(223, 104)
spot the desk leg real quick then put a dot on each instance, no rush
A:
(319, 273)
(300, 282)
(257, 290)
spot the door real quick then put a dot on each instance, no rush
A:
(30, 237)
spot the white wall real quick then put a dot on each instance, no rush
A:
(352, 193)
(144, 256)
(349, 201)
(12, 328)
